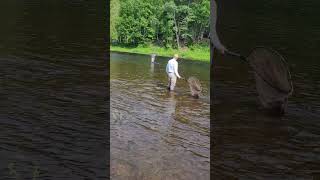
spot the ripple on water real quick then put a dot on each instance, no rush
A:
(155, 135)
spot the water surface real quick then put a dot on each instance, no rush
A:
(249, 144)
(53, 88)
(155, 134)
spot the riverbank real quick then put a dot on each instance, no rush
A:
(198, 53)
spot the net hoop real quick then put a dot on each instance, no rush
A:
(285, 64)
(194, 85)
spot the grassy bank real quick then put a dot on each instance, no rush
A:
(195, 53)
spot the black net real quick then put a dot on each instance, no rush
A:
(273, 79)
(195, 86)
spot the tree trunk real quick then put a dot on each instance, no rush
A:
(200, 33)
(177, 30)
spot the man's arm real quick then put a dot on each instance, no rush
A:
(176, 70)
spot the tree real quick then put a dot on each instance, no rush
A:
(169, 23)
(114, 14)
(200, 19)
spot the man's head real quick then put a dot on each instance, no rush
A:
(176, 56)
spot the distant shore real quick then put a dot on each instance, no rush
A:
(197, 53)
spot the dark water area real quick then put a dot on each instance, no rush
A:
(249, 144)
(53, 111)
(155, 134)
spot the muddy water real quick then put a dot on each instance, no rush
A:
(248, 143)
(155, 134)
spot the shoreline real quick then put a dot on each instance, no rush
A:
(198, 54)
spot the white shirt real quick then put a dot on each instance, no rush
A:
(172, 67)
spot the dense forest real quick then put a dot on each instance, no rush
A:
(165, 23)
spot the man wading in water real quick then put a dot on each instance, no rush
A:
(214, 39)
(172, 71)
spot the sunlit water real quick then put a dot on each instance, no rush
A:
(249, 144)
(155, 134)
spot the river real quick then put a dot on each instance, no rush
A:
(53, 90)
(156, 134)
(249, 144)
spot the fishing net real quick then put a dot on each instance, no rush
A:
(273, 79)
(195, 86)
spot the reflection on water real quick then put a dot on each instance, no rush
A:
(156, 134)
(249, 144)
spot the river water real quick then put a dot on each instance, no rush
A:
(53, 90)
(156, 134)
(249, 144)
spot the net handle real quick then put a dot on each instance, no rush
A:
(184, 78)
(236, 55)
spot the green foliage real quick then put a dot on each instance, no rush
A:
(197, 52)
(114, 14)
(167, 23)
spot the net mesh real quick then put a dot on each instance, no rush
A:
(273, 80)
(195, 86)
